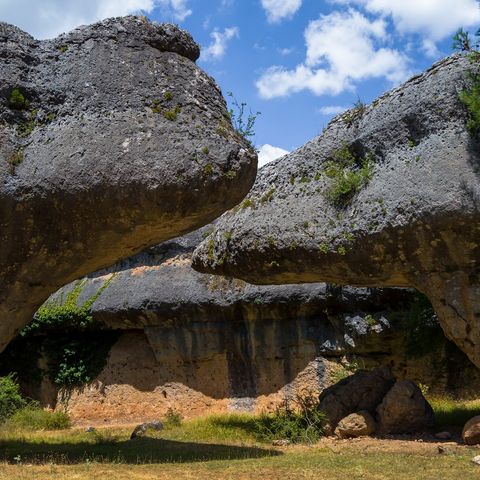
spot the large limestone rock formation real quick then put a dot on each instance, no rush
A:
(203, 343)
(111, 140)
(387, 195)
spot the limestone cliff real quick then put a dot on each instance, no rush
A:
(202, 343)
(387, 195)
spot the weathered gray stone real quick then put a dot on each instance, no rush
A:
(404, 410)
(364, 390)
(356, 425)
(142, 429)
(117, 141)
(416, 223)
(471, 431)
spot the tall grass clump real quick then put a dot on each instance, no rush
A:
(34, 418)
(298, 420)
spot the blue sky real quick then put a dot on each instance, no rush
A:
(298, 62)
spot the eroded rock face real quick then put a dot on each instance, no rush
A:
(404, 410)
(416, 222)
(203, 344)
(111, 140)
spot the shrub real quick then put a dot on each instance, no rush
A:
(299, 421)
(245, 127)
(172, 419)
(17, 100)
(76, 353)
(471, 99)
(348, 175)
(471, 96)
(32, 417)
(10, 398)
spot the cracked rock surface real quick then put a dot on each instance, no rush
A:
(413, 220)
(111, 140)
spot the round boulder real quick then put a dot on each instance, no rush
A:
(356, 425)
(471, 431)
(404, 409)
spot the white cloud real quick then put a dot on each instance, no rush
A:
(342, 48)
(332, 109)
(218, 47)
(434, 19)
(277, 10)
(269, 153)
(49, 18)
(178, 9)
(286, 51)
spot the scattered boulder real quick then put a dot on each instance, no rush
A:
(90, 430)
(356, 425)
(404, 409)
(281, 443)
(111, 140)
(471, 431)
(476, 460)
(443, 435)
(363, 390)
(141, 430)
(410, 218)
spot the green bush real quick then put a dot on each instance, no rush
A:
(348, 175)
(471, 99)
(17, 100)
(299, 421)
(471, 96)
(32, 417)
(172, 419)
(10, 398)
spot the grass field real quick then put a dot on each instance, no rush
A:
(225, 447)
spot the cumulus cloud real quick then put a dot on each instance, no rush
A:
(277, 10)
(269, 153)
(218, 47)
(332, 109)
(342, 48)
(433, 19)
(49, 18)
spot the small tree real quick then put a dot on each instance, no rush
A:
(462, 41)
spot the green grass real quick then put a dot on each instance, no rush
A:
(34, 418)
(221, 447)
(111, 455)
(450, 413)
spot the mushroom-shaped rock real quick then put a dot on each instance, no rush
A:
(387, 195)
(157, 290)
(111, 140)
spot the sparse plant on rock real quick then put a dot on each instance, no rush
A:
(243, 123)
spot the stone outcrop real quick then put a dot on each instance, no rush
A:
(111, 140)
(387, 195)
(363, 390)
(471, 431)
(356, 425)
(397, 406)
(404, 409)
(201, 343)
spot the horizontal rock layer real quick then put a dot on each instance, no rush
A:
(387, 195)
